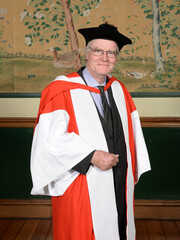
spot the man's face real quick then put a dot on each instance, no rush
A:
(100, 65)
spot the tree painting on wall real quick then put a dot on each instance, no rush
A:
(39, 41)
(164, 32)
(52, 20)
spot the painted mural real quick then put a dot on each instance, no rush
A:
(39, 41)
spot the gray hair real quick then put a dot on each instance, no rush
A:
(88, 46)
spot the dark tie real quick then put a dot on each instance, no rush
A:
(106, 109)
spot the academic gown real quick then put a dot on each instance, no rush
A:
(68, 129)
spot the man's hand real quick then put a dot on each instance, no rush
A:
(104, 160)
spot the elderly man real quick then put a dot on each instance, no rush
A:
(88, 149)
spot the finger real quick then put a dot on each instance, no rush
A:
(115, 155)
(116, 159)
(114, 164)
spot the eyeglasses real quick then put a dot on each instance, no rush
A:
(109, 53)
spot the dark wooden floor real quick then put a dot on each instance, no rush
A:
(41, 229)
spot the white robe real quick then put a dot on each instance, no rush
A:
(56, 150)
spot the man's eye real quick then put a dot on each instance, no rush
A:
(99, 50)
(111, 52)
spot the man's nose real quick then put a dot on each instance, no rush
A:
(104, 56)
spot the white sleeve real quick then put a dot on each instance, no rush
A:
(141, 153)
(54, 153)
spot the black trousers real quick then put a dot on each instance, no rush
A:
(122, 225)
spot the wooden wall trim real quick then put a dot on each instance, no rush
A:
(145, 122)
(160, 121)
(144, 209)
(157, 209)
(17, 122)
(25, 208)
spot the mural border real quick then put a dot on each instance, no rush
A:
(133, 94)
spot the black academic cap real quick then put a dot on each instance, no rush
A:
(105, 31)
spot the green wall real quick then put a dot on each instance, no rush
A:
(162, 182)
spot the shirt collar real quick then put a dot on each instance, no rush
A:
(90, 80)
